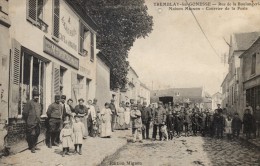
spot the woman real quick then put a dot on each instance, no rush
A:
(120, 117)
(127, 115)
(106, 122)
(82, 112)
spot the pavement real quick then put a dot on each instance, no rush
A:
(203, 151)
(94, 151)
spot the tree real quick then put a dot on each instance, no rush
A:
(120, 23)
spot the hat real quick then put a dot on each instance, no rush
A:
(94, 99)
(57, 97)
(81, 100)
(160, 102)
(35, 92)
(63, 96)
(112, 99)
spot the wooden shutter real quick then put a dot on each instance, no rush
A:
(14, 78)
(31, 11)
(55, 80)
(92, 46)
(81, 37)
(74, 90)
(56, 18)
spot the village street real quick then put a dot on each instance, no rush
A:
(186, 151)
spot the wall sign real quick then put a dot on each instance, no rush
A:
(56, 51)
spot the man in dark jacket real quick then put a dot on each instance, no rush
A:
(31, 115)
(159, 120)
(54, 114)
(146, 119)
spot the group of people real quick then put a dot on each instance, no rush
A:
(66, 124)
(70, 125)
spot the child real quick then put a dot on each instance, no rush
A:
(78, 130)
(66, 137)
(228, 127)
(164, 132)
(236, 126)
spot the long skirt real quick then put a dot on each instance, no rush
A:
(84, 120)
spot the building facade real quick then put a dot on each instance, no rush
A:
(216, 99)
(53, 50)
(144, 94)
(4, 67)
(239, 43)
(250, 65)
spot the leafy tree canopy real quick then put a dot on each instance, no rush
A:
(120, 23)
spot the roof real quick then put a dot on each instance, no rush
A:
(225, 79)
(104, 58)
(143, 85)
(244, 40)
(184, 92)
(218, 93)
(81, 11)
(134, 71)
(244, 53)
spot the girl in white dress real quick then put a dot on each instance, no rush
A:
(127, 115)
(78, 131)
(66, 137)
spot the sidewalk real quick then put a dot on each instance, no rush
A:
(254, 142)
(94, 151)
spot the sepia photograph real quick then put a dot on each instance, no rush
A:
(130, 82)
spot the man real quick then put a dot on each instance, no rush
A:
(136, 123)
(219, 110)
(31, 115)
(54, 114)
(159, 120)
(219, 122)
(114, 114)
(91, 117)
(257, 117)
(146, 119)
(139, 105)
(249, 107)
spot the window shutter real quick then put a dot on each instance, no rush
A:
(92, 46)
(55, 80)
(81, 37)
(74, 91)
(31, 11)
(14, 79)
(56, 18)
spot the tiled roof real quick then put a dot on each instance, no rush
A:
(244, 40)
(185, 92)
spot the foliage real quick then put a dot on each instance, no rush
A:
(120, 23)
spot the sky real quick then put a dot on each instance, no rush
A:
(176, 54)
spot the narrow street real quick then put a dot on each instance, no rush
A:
(186, 151)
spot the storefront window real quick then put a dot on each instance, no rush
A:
(32, 76)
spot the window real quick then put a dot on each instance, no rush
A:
(56, 19)
(31, 77)
(35, 12)
(253, 65)
(86, 42)
(62, 72)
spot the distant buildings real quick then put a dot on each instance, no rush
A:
(183, 96)
(216, 99)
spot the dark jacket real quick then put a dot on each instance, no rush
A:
(248, 122)
(159, 116)
(55, 111)
(112, 108)
(146, 114)
(236, 123)
(32, 113)
(81, 110)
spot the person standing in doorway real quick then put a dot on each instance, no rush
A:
(54, 114)
(114, 114)
(31, 115)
